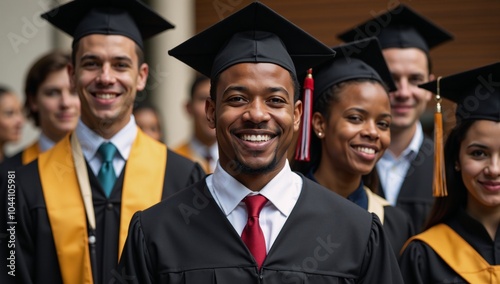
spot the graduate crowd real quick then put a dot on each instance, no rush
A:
(308, 163)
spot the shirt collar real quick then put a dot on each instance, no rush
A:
(231, 192)
(416, 142)
(90, 140)
(45, 143)
(203, 150)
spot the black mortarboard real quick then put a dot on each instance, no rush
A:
(476, 92)
(254, 34)
(400, 27)
(129, 18)
(356, 60)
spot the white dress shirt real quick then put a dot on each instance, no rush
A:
(45, 143)
(90, 142)
(203, 151)
(392, 170)
(282, 192)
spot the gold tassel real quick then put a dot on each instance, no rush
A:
(439, 182)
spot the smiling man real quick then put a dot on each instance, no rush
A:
(75, 202)
(254, 220)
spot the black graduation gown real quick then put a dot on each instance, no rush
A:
(397, 224)
(415, 196)
(398, 228)
(36, 258)
(420, 264)
(188, 239)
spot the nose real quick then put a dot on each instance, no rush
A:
(493, 169)
(370, 130)
(256, 111)
(66, 97)
(105, 77)
(404, 89)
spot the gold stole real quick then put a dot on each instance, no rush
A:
(31, 153)
(142, 188)
(376, 204)
(459, 255)
(186, 151)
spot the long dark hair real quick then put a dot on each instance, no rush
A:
(446, 207)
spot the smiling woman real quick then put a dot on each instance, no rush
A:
(351, 120)
(462, 237)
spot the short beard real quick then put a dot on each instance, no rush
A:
(239, 168)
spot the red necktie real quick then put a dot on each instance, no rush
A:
(252, 234)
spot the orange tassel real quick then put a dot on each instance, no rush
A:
(439, 182)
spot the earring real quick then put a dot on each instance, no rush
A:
(320, 134)
(457, 167)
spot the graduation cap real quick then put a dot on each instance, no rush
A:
(129, 18)
(477, 94)
(400, 27)
(253, 34)
(361, 59)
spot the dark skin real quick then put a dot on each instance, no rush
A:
(255, 118)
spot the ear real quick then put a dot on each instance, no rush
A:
(189, 107)
(142, 77)
(297, 115)
(318, 124)
(31, 100)
(210, 112)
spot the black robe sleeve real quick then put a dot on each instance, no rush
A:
(380, 264)
(135, 264)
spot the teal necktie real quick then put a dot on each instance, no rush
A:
(107, 176)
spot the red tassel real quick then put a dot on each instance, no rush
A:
(304, 139)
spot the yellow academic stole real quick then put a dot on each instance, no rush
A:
(142, 188)
(30, 154)
(459, 255)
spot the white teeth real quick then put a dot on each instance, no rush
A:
(365, 150)
(106, 96)
(256, 138)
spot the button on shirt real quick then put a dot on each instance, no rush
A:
(392, 170)
(90, 142)
(282, 192)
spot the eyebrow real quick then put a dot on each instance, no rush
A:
(477, 145)
(93, 57)
(363, 111)
(245, 89)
